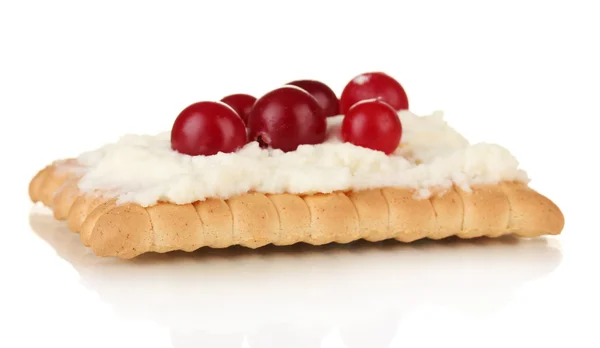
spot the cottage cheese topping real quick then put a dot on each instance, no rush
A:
(144, 169)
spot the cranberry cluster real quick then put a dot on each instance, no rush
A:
(293, 115)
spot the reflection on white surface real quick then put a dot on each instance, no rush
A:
(296, 296)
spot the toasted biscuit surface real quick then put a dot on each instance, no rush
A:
(255, 219)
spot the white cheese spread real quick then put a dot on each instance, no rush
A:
(144, 169)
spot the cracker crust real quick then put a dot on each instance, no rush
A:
(253, 220)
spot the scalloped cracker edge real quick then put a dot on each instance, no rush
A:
(253, 220)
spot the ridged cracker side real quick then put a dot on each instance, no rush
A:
(255, 219)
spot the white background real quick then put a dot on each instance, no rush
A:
(524, 74)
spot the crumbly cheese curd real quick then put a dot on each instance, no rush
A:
(144, 169)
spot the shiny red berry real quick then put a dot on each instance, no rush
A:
(374, 85)
(241, 103)
(206, 128)
(372, 124)
(286, 118)
(322, 93)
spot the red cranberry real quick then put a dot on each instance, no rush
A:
(286, 118)
(241, 103)
(322, 93)
(372, 124)
(374, 85)
(206, 128)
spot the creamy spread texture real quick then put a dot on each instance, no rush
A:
(144, 169)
